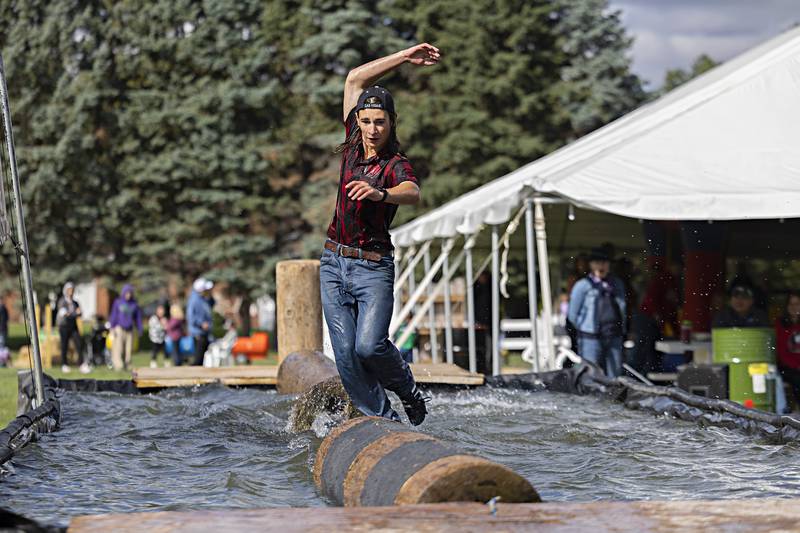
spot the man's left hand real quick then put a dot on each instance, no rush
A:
(361, 190)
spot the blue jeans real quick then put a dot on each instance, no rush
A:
(357, 297)
(605, 352)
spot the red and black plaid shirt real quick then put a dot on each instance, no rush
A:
(365, 224)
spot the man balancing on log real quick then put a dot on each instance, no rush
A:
(357, 265)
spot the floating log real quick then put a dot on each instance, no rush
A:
(299, 307)
(302, 370)
(373, 461)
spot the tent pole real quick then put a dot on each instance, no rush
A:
(495, 302)
(544, 278)
(22, 242)
(470, 306)
(432, 335)
(448, 319)
(533, 307)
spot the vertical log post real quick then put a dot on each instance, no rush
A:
(299, 307)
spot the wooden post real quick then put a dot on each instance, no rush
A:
(299, 307)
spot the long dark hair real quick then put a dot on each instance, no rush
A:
(786, 320)
(354, 140)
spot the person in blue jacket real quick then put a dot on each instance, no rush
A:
(198, 316)
(597, 311)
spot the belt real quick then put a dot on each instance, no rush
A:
(350, 251)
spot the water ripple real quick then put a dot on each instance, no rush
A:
(217, 448)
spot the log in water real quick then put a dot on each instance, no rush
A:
(373, 461)
(302, 370)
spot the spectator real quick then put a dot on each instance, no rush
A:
(98, 354)
(740, 312)
(787, 336)
(3, 323)
(126, 322)
(174, 334)
(5, 355)
(579, 271)
(157, 331)
(597, 310)
(67, 312)
(658, 309)
(198, 317)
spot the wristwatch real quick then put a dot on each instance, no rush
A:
(384, 193)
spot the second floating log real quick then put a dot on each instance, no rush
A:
(373, 461)
(301, 370)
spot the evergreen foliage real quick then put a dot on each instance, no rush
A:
(190, 137)
(676, 77)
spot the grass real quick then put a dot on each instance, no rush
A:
(8, 380)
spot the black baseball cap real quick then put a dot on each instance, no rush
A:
(742, 291)
(376, 97)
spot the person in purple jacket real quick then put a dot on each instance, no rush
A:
(126, 323)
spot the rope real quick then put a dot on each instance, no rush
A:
(510, 229)
(505, 243)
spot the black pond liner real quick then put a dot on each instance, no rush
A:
(671, 401)
(30, 423)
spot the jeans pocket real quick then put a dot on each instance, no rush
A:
(327, 257)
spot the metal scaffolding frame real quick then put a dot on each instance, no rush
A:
(537, 263)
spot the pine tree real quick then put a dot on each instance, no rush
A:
(597, 83)
(486, 108)
(676, 77)
(188, 137)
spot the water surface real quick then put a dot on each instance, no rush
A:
(214, 447)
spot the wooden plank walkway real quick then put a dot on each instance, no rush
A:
(444, 374)
(753, 516)
(187, 376)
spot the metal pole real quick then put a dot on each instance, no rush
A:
(495, 302)
(448, 319)
(544, 277)
(533, 303)
(22, 240)
(473, 366)
(432, 311)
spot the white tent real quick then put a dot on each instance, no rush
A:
(724, 146)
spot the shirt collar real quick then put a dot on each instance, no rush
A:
(380, 156)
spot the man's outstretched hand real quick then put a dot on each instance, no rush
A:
(422, 54)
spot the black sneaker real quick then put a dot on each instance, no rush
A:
(415, 406)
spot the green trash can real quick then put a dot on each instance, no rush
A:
(750, 356)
